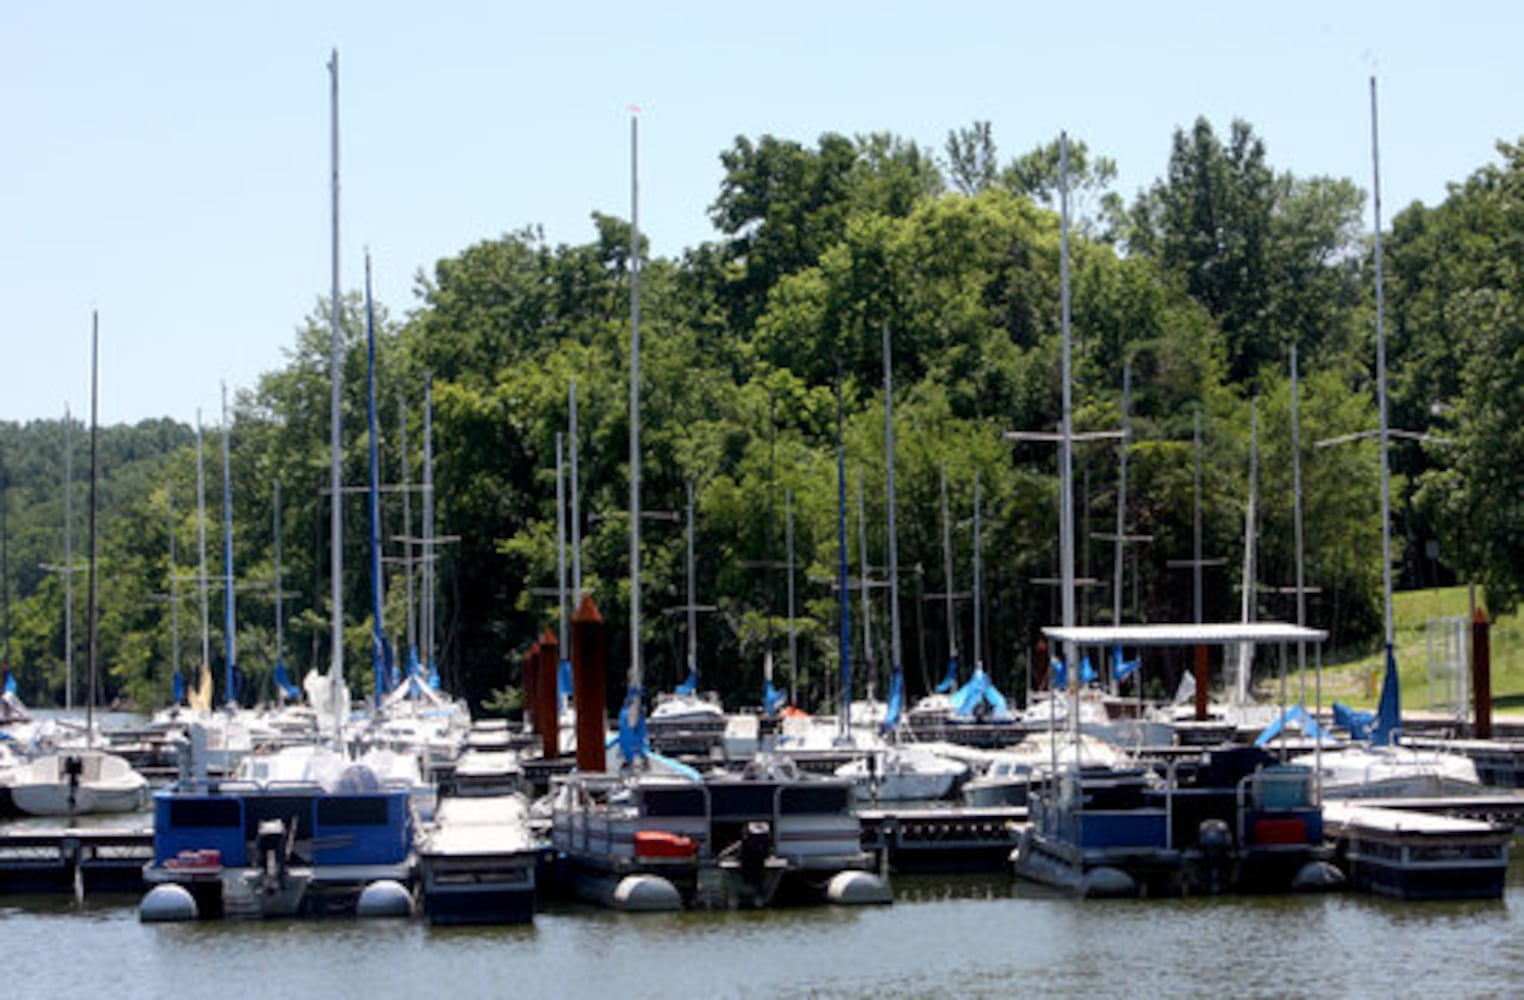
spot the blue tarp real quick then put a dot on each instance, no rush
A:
(1388, 728)
(978, 693)
(896, 699)
(772, 699)
(1296, 713)
(950, 681)
(1358, 723)
(1122, 669)
(282, 680)
(632, 726)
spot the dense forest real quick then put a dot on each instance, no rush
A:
(755, 345)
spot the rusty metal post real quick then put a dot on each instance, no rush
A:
(1202, 678)
(1481, 674)
(589, 669)
(546, 708)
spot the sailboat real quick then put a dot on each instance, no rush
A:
(73, 781)
(307, 828)
(1377, 763)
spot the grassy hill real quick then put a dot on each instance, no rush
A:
(1358, 682)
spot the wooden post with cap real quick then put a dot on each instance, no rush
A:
(1481, 674)
(589, 669)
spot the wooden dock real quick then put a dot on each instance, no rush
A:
(1410, 854)
(943, 839)
(74, 860)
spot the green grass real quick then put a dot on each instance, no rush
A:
(1358, 682)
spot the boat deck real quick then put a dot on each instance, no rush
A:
(46, 860)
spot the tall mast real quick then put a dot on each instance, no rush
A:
(407, 534)
(788, 532)
(174, 603)
(1384, 430)
(68, 561)
(428, 528)
(1196, 519)
(280, 600)
(576, 508)
(862, 561)
(692, 596)
(1296, 493)
(562, 612)
(896, 676)
(1118, 570)
(1247, 603)
(336, 374)
(377, 582)
(978, 579)
(231, 636)
(206, 620)
(94, 508)
(843, 725)
(636, 678)
(1066, 431)
(947, 578)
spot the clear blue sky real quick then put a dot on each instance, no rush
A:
(167, 163)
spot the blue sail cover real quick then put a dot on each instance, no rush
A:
(10, 681)
(1122, 669)
(632, 726)
(563, 683)
(950, 681)
(177, 688)
(772, 699)
(1388, 728)
(896, 699)
(1087, 672)
(1358, 723)
(690, 685)
(282, 680)
(980, 699)
(1297, 714)
(1059, 674)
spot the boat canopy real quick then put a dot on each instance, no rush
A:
(1227, 633)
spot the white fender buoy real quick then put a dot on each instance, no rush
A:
(385, 898)
(1317, 876)
(645, 894)
(167, 903)
(855, 888)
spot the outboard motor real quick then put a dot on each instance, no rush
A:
(272, 851)
(756, 846)
(1215, 840)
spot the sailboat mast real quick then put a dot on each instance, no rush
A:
(280, 617)
(231, 635)
(407, 531)
(1247, 609)
(1386, 480)
(896, 676)
(1119, 569)
(377, 582)
(1296, 493)
(636, 667)
(206, 620)
(336, 375)
(68, 561)
(576, 507)
(94, 509)
(174, 600)
(1066, 431)
(563, 614)
(862, 561)
(947, 573)
(428, 527)
(978, 578)
(843, 726)
(692, 596)
(788, 532)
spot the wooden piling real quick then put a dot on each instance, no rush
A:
(1202, 679)
(589, 669)
(549, 708)
(1481, 674)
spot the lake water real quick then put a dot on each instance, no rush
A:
(965, 937)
